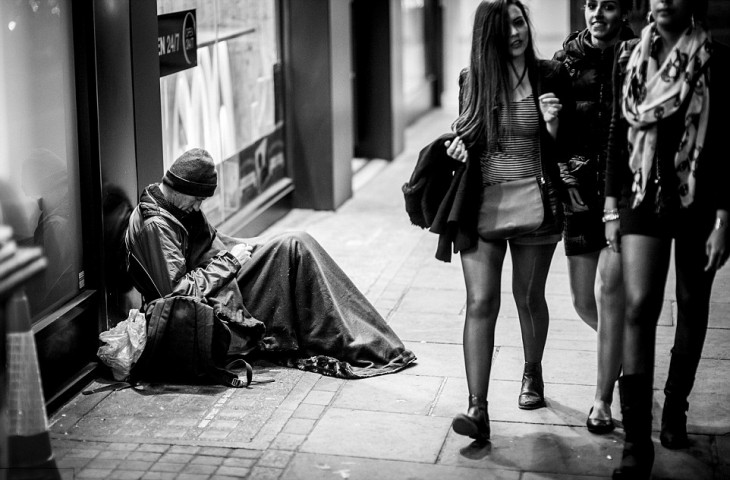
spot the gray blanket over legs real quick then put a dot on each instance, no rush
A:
(314, 314)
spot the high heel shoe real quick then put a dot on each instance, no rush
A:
(475, 423)
(599, 426)
(532, 393)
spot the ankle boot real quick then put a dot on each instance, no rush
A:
(532, 393)
(674, 415)
(637, 458)
(475, 423)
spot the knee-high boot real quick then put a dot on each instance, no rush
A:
(680, 380)
(636, 401)
(475, 423)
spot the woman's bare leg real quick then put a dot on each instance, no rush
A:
(610, 302)
(582, 275)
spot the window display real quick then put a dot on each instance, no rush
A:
(229, 103)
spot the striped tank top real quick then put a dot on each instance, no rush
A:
(519, 156)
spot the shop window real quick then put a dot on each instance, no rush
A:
(39, 160)
(230, 102)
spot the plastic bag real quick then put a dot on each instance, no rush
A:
(124, 344)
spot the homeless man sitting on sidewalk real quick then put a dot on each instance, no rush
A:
(311, 314)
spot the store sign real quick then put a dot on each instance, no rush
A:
(177, 43)
(260, 165)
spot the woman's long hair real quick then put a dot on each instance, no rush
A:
(487, 88)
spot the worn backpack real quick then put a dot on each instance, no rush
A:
(186, 342)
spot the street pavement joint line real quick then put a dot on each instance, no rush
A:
(437, 396)
(396, 306)
(216, 408)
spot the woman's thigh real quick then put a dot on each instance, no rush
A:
(582, 273)
(530, 267)
(482, 267)
(645, 263)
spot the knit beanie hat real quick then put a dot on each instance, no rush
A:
(193, 173)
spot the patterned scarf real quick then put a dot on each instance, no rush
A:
(652, 92)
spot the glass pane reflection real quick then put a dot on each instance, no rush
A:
(39, 187)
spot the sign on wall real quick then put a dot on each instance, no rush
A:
(177, 43)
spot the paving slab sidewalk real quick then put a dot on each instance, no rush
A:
(305, 426)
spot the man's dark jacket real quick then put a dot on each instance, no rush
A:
(591, 70)
(167, 257)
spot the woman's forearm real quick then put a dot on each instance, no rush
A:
(552, 128)
(611, 203)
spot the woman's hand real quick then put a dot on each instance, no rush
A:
(456, 149)
(549, 107)
(576, 201)
(613, 236)
(716, 246)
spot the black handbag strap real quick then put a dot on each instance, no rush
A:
(538, 91)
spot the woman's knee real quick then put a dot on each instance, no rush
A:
(642, 309)
(609, 291)
(530, 299)
(484, 306)
(693, 293)
(585, 307)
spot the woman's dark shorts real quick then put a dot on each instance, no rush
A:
(680, 222)
(584, 232)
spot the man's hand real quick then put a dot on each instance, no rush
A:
(242, 252)
(252, 327)
(576, 201)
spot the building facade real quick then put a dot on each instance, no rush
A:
(283, 93)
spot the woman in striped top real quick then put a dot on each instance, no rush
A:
(511, 107)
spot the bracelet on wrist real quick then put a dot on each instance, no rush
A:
(719, 223)
(610, 216)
